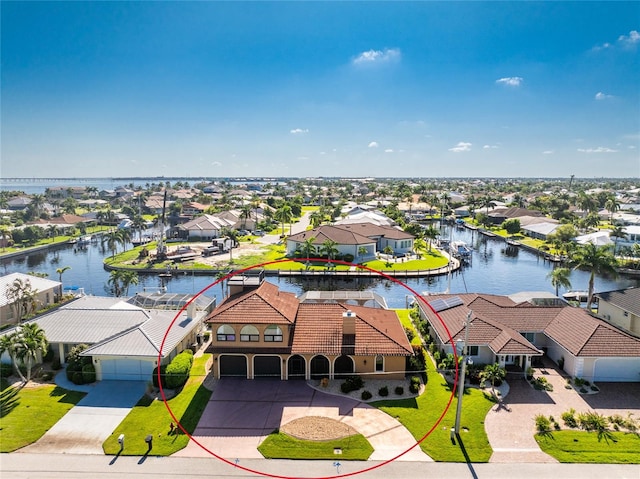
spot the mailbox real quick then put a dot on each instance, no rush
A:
(121, 441)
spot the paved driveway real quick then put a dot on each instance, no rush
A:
(87, 425)
(511, 426)
(241, 413)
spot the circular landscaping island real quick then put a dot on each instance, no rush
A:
(317, 428)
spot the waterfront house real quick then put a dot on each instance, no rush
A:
(45, 293)
(351, 237)
(621, 308)
(260, 331)
(126, 338)
(511, 332)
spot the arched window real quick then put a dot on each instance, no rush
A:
(249, 333)
(379, 363)
(273, 334)
(226, 333)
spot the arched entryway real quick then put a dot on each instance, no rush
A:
(343, 366)
(296, 367)
(319, 367)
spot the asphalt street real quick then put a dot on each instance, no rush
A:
(54, 466)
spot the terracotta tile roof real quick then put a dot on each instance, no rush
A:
(625, 299)
(263, 305)
(583, 335)
(333, 233)
(572, 328)
(319, 330)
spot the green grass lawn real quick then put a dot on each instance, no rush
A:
(584, 447)
(420, 414)
(152, 417)
(405, 320)
(30, 412)
(281, 446)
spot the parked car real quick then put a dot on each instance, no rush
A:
(258, 233)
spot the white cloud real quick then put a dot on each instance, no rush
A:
(373, 144)
(388, 150)
(299, 131)
(490, 147)
(631, 39)
(460, 147)
(624, 40)
(548, 152)
(600, 149)
(602, 96)
(378, 56)
(510, 81)
(216, 163)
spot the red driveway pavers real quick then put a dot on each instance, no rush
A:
(511, 425)
(241, 413)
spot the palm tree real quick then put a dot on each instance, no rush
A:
(114, 282)
(362, 251)
(617, 232)
(284, 215)
(560, 278)
(596, 259)
(22, 297)
(316, 218)
(431, 233)
(329, 248)
(493, 373)
(9, 343)
(32, 340)
(232, 236)
(37, 203)
(245, 214)
(6, 236)
(308, 248)
(60, 272)
(111, 239)
(612, 205)
(52, 230)
(127, 279)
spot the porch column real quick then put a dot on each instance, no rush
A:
(527, 364)
(61, 353)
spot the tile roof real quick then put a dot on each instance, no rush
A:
(625, 299)
(37, 284)
(319, 330)
(338, 234)
(146, 339)
(263, 305)
(498, 322)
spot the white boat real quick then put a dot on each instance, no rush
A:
(460, 249)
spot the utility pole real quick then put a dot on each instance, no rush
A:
(463, 355)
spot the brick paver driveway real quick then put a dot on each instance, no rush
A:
(241, 413)
(511, 425)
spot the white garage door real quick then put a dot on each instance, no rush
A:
(126, 370)
(617, 370)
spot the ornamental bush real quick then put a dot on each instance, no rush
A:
(383, 391)
(88, 373)
(178, 369)
(366, 395)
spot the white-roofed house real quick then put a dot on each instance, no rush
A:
(126, 340)
(46, 291)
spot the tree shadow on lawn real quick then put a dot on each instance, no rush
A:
(8, 401)
(66, 396)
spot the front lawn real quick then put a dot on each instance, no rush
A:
(28, 413)
(281, 446)
(584, 447)
(151, 417)
(420, 414)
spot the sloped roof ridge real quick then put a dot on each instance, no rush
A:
(260, 293)
(120, 335)
(364, 308)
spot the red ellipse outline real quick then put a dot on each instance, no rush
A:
(359, 266)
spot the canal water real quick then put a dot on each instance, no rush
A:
(494, 269)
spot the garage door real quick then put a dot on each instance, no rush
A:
(126, 369)
(267, 367)
(617, 370)
(233, 366)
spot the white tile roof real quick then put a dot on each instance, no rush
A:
(37, 284)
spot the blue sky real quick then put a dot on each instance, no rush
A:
(420, 89)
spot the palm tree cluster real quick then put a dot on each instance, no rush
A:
(116, 237)
(23, 346)
(120, 280)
